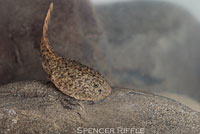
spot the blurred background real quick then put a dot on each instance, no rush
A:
(153, 44)
(149, 45)
(190, 5)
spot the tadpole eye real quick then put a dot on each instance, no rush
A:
(95, 86)
(99, 90)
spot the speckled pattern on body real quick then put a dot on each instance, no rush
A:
(70, 77)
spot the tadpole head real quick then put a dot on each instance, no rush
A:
(101, 89)
(93, 88)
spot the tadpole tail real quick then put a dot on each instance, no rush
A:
(45, 47)
(47, 20)
(48, 55)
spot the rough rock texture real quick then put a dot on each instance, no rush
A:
(35, 107)
(188, 101)
(72, 31)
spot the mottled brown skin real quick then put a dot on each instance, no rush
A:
(70, 77)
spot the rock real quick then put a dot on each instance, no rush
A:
(73, 31)
(38, 107)
(188, 101)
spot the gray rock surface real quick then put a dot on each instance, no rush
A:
(37, 107)
(73, 30)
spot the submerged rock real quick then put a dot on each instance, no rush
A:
(73, 31)
(38, 107)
